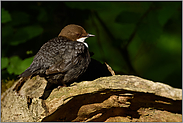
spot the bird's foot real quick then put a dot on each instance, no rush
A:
(60, 86)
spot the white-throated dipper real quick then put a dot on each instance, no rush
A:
(62, 59)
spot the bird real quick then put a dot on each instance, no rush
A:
(63, 59)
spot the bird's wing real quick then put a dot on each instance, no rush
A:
(46, 56)
(72, 55)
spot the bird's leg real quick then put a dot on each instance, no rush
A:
(48, 89)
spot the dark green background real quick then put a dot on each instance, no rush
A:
(136, 38)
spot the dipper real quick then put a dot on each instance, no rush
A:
(63, 59)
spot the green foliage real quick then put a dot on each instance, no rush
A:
(33, 31)
(150, 29)
(29, 52)
(15, 65)
(166, 12)
(7, 30)
(126, 17)
(17, 29)
(139, 38)
(4, 62)
(5, 16)
(42, 17)
(21, 35)
(25, 64)
(20, 18)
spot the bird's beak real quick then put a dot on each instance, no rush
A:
(90, 35)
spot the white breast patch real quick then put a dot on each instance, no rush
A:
(82, 40)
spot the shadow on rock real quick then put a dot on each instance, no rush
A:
(98, 107)
(94, 71)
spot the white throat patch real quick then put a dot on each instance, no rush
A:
(82, 40)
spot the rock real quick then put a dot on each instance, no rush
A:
(118, 98)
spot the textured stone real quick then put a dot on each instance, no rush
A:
(118, 98)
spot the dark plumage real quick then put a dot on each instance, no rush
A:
(63, 59)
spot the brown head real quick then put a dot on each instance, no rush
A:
(75, 33)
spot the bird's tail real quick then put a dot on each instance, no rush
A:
(26, 73)
(23, 78)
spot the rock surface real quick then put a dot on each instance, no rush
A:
(118, 98)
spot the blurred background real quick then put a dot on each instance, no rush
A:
(134, 38)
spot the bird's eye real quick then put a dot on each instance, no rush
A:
(78, 34)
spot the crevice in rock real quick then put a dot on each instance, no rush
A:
(71, 110)
(29, 101)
